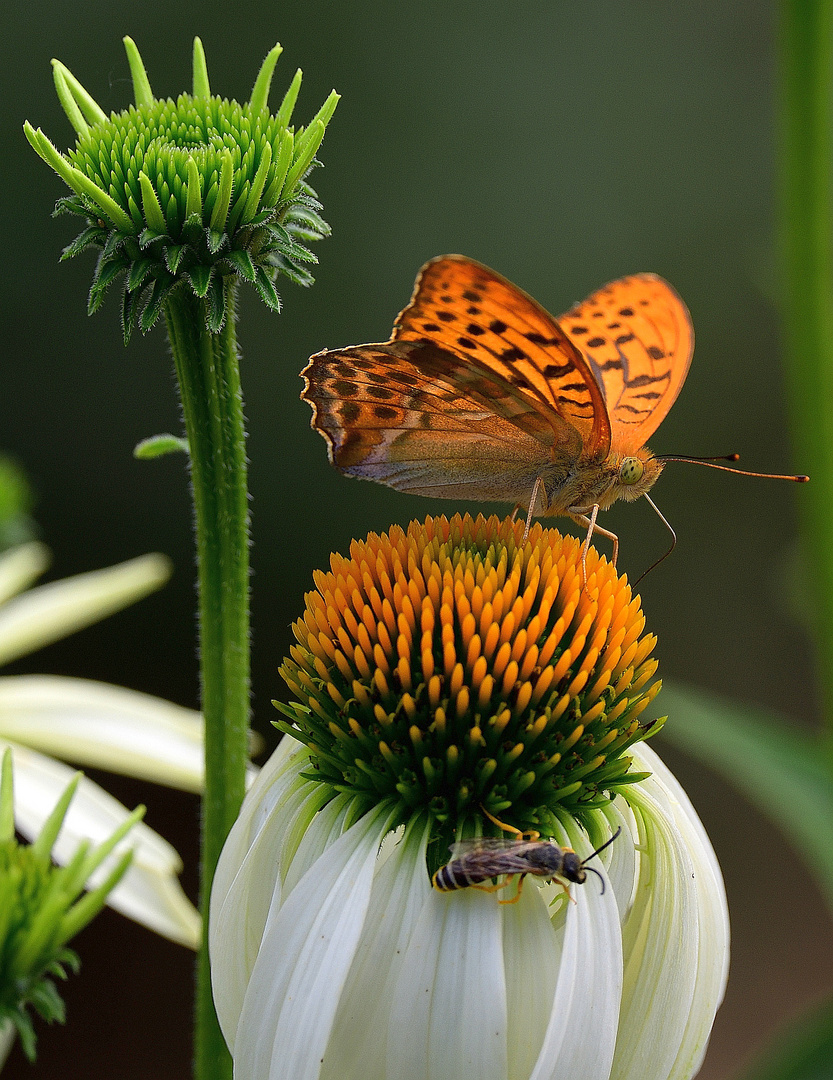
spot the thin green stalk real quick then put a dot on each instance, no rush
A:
(208, 373)
(805, 153)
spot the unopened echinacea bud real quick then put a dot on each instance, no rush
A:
(189, 193)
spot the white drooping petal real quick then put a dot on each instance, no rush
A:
(107, 727)
(448, 1013)
(268, 789)
(20, 566)
(150, 891)
(581, 1034)
(305, 957)
(241, 899)
(620, 859)
(675, 937)
(50, 612)
(358, 1045)
(531, 955)
(712, 967)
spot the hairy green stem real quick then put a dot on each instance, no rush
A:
(208, 373)
(806, 146)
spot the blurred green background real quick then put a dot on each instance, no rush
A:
(562, 143)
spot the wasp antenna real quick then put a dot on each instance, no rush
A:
(667, 524)
(593, 870)
(598, 850)
(710, 462)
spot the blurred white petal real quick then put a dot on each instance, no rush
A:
(46, 614)
(150, 892)
(7, 1036)
(106, 727)
(20, 566)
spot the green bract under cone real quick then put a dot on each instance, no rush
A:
(455, 668)
(194, 192)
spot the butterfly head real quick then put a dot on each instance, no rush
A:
(636, 474)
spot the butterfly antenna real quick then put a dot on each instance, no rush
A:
(710, 462)
(667, 524)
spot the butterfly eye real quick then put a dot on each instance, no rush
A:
(630, 471)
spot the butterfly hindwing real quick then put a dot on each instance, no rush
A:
(636, 337)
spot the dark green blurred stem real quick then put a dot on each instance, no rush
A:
(208, 373)
(806, 46)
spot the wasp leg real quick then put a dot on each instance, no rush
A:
(565, 887)
(531, 833)
(493, 888)
(517, 895)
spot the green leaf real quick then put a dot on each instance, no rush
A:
(106, 272)
(804, 1051)
(200, 277)
(88, 238)
(129, 313)
(153, 309)
(158, 445)
(241, 262)
(139, 271)
(216, 241)
(173, 256)
(296, 274)
(778, 766)
(215, 305)
(288, 247)
(266, 289)
(71, 204)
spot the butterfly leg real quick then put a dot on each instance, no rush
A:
(538, 486)
(590, 522)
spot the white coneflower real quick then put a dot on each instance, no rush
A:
(446, 672)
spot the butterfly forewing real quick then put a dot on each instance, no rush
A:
(497, 329)
(637, 339)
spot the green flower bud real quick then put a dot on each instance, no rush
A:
(192, 193)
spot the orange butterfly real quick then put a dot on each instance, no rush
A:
(481, 394)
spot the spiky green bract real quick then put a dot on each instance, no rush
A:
(16, 501)
(457, 668)
(189, 194)
(42, 908)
